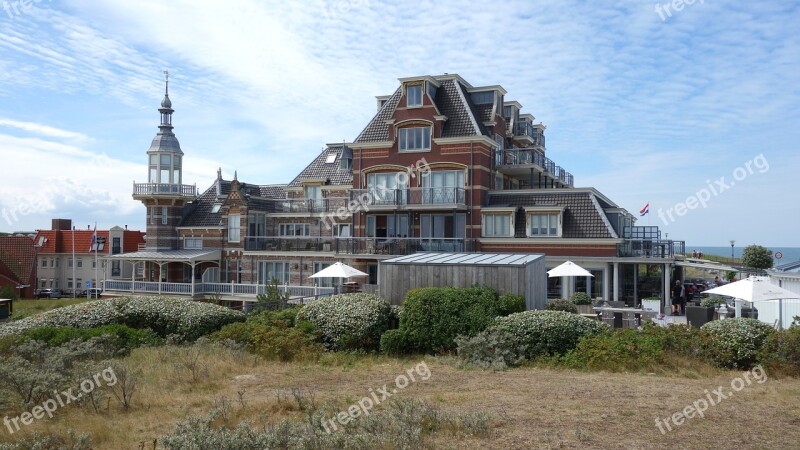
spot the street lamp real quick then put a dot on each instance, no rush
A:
(732, 242)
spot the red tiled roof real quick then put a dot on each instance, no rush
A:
(60, 241)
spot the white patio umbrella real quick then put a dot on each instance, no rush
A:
(568, 269)
(756, 289)
(339, 270)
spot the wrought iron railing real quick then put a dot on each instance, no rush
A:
(410, 196)
(650, 248)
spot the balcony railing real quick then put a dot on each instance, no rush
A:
(358, 246)
(402, 246)
(650, 248)
(331, 204)
(182, 190)
(531, 156)
(525, 128)
(233, 289)
(288, 244)
(410, 196)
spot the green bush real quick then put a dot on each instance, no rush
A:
(433, 317)
(286, 315)
(580, 298)
(548, 332)
(616, 351)
(782, 351)
(510, 304)
(394, 342)
(349, 321)
(713, 300)
(280, 342)
(491, 349)
(123, 338)
(164, 316)
(736, 343)
(562, 305)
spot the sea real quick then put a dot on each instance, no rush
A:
(780, 255)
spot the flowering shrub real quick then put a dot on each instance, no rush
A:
(562, 305)
(548, 332)
(349, 321)
(164, 316)
(735, 343)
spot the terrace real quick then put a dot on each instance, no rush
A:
(357, 246)
(531, 163)
(411, 198)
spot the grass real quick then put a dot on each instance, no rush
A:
(25, 308)
(529, 407)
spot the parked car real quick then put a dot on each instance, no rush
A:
(49, 293)
(93, 293)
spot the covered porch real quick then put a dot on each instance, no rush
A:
(164, 271)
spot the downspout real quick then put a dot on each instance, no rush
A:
(472, 189)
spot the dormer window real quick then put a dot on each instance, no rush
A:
(544, 221)
(344, 164)
(414, 95)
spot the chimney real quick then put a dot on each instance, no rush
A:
(62, 224)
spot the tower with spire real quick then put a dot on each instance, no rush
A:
(164, 195)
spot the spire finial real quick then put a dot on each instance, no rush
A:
(235, 176)
(166, 82)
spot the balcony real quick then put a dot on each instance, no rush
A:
(141, 190)
(303, 205)
(401, 246)
(650, 248)
(526, 130)
(357, 246)
(288, 244)
(520, 162)
(410, 198)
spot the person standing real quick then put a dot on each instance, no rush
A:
(678, 298)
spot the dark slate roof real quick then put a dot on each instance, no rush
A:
(459, 114)
(17, 258)
(259, 198)
(581, 218)
(273, 191)
(377, 130)
(319, 169)
(484, 112)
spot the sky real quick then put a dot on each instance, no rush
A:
(690, 107)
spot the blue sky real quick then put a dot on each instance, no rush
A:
(644, 106)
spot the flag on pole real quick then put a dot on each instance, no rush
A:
(644, 211)
(93, 246)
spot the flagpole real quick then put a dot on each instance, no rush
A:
(96, 246)
(74, 288)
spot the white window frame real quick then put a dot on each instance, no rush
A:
(193, 243)
(415, 101)
(488, 224)
(417, 135)
(532, 212)
(234, 227)
(339, 227)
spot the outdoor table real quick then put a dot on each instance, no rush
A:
(619, 314)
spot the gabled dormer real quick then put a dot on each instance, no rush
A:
(418, 92)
